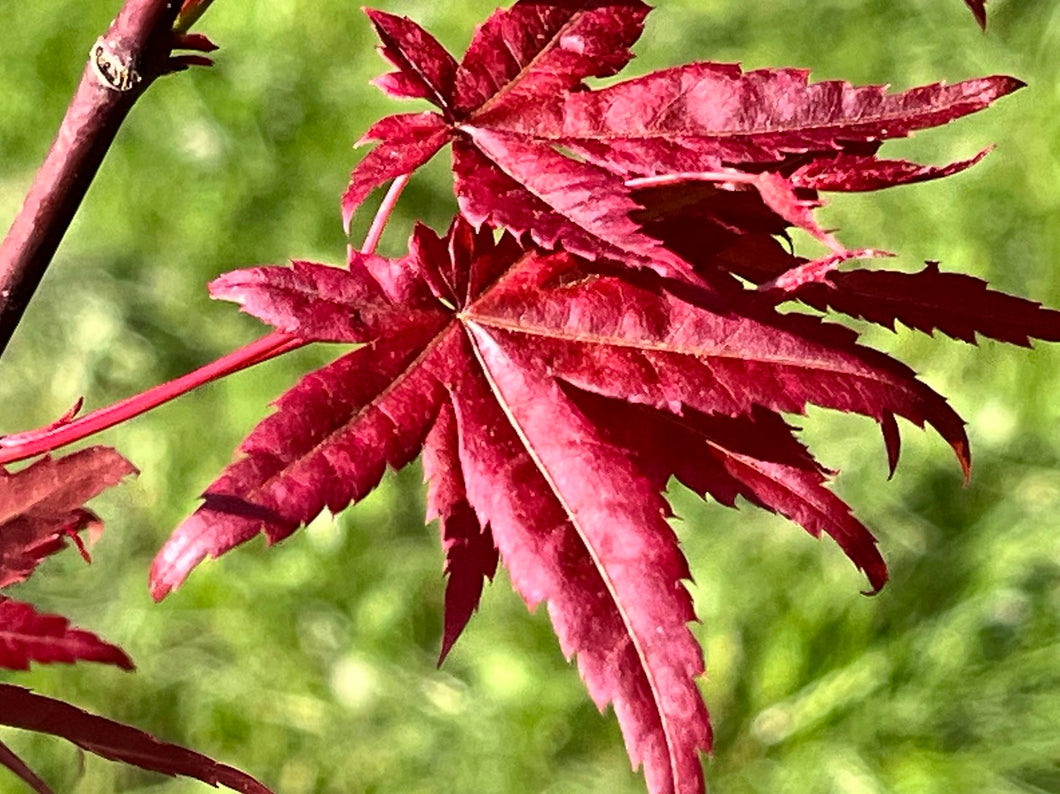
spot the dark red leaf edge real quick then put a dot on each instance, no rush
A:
(21, 708)
(27, 635)
(470, 551)
(851, 173)
(957, 304)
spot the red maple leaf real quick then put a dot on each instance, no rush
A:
(41, 506)
(509, 366)
(601, 316)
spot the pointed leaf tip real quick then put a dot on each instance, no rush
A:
(470, 553)
(406, 142)
(425, 69)
(978, 8)
(892, 441)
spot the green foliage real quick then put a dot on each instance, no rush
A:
(312, 666)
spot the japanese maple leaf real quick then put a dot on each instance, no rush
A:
(507, 366)
(534, 150)
(601, 317)
(41, 506)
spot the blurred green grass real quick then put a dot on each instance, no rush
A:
(311, 665)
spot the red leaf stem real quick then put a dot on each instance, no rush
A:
(20, 446)
(67, 430)
(190, 12)
(375, 231)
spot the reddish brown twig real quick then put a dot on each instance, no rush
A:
(122, 63)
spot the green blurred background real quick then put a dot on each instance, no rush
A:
(312, 665)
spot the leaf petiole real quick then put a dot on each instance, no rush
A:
(20, 446)
(68, 429)
(382, 215)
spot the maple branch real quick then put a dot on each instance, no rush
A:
(122, 64)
